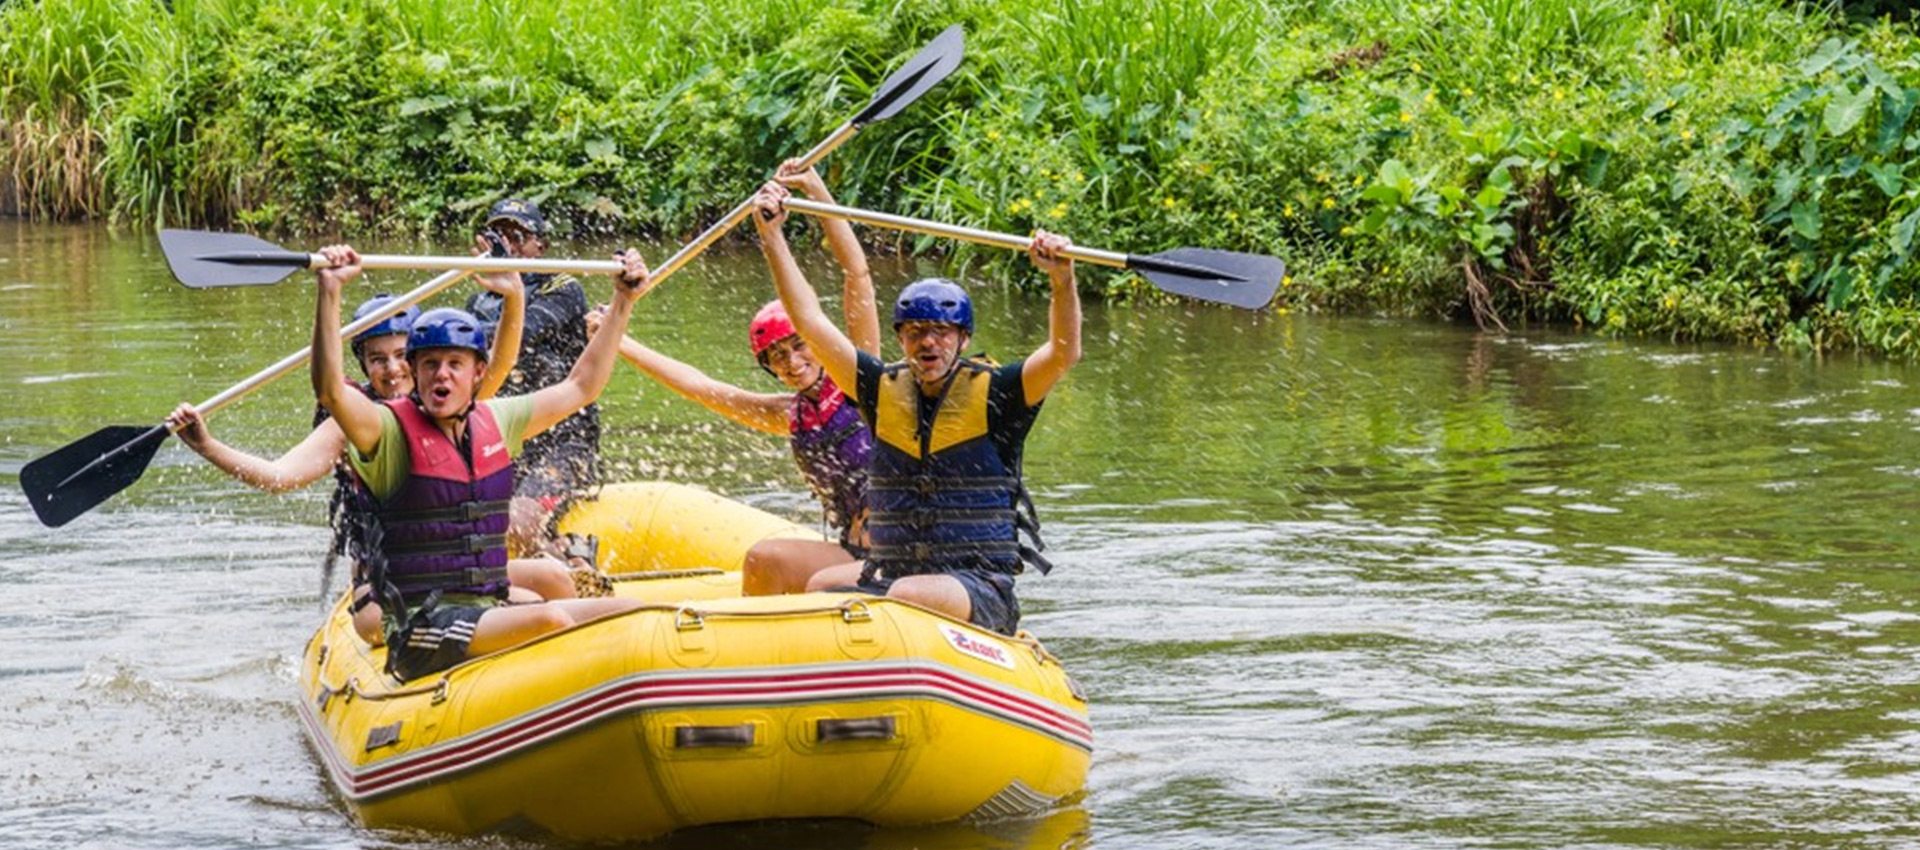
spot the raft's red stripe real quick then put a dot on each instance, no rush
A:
(785, 686)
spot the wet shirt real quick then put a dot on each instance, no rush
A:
(385, 469)
(554, 336)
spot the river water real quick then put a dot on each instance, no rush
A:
(1329, 582)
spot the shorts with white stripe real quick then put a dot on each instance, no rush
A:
(434, 639)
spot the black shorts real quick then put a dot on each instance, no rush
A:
(994, 607)
(435, 637)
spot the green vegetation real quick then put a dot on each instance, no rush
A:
(1725, 169)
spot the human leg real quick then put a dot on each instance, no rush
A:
(544, 576)
(501, 628)
(841, 575)
(938, 591)
(784, 566)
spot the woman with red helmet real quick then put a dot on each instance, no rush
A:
(830, 443)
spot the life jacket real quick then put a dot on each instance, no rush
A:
(832, 446)
(944, 497)
(348, 510)
(444, 530)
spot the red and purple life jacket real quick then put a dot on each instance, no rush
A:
(445, 529)
(832, 445)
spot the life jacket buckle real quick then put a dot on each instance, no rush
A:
(922, 550)
(925, 485)
(477, 543)
(471, 511)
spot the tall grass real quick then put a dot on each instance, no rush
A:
(1248, 124)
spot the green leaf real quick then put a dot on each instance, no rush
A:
(602, 149)
(1839, 286)
(1881, 79)
(1894, 112)
(1490, 197)
(1824, 56)
(1597, 166)
(1846, 109)
(1786, 185)
(1903, 233)
(1682, 184)
(1887, 176)
(1793, 101)
(416, 105)
(1806, 219)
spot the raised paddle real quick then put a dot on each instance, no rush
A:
(1225, 277)
(202, 259)
(72, 480)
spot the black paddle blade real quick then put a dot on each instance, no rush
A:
(924, 71)
(88, 471)
(1225, 277)
(202, 259)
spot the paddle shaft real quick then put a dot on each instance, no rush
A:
(950, 231)
(739, 213)
(297, 359)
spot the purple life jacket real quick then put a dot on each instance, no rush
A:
(832, 446)
(445, 529)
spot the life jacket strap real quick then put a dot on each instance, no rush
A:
(921, 550)
(471, 544)
(469, 577)
(925, 518)
(927, 485)
(463, 512)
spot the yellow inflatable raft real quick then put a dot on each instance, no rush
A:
(704, 707)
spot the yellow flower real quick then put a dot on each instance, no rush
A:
(1326, 203)
(1078, 177)
(1686, 135)
(1321, 177)
(1417, 69)
(1406, 117)
(1281, 311)
(1346, 231)
(1357, 180)
(1429, 97)
(1668, 301)
(1559, 94)
(993, 135)
(1059, 211)
(1167, 202)
(1286, 211)
(1233, 215)
(1467, 90)
(1286, 280)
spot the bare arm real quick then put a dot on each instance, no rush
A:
(595, 365)
(759, 411)
(504, 354)
(1050, 362)
(303, 464)
(836, 353)
(857, 301)
(357, 415)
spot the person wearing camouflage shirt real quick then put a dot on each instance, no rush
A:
(564, 462)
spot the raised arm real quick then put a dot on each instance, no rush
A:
(358, 416)
(759, 411)
(836, 352)
(857, 301)
(1050, 362)
(505, 351)
(303, 464)
(595, 365)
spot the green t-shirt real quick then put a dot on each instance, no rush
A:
(385, 468)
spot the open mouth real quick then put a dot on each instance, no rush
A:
(441, 393)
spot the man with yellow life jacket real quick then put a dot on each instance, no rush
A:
(944, 493)
(439, 468)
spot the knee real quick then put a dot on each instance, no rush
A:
(819, 582)
(551, 618)
(760, 570)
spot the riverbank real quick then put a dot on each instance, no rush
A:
(1716, 169)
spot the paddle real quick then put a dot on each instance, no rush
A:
(202, 259)
(1225, 277)
(73, 479)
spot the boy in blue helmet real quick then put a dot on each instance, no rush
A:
(438, 470)
(945, 500)
(381, 352)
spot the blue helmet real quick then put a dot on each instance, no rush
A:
(398, 323)
(935, 299)
(447, 327)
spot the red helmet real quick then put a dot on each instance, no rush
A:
(769, 326)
